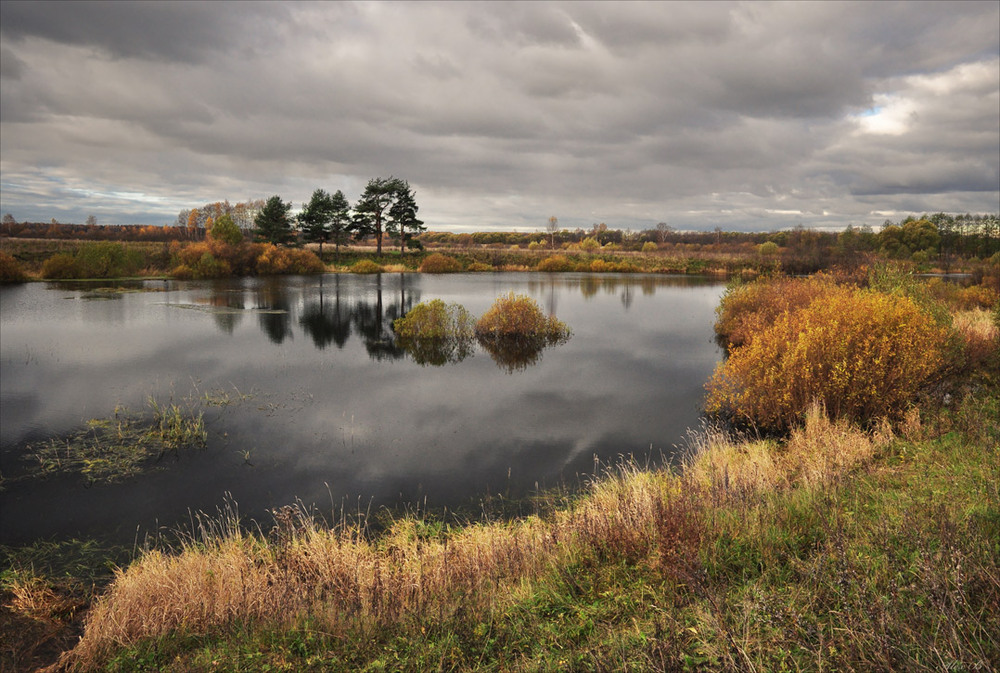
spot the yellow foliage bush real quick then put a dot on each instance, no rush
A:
(555, 263)
(746, 309)
(862, 354)
(438, 263)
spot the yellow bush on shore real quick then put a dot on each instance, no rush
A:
(213, 258)
(746, 309)
(438, 263)
(862, 354)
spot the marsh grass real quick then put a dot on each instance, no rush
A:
(121, 445)
(45, 589)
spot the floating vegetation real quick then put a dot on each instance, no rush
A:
(115, 448)
(224, 398)
(229, 310)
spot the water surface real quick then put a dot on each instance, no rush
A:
(324, 406)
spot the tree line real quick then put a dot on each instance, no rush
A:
(387, 207)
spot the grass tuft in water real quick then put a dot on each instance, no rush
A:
(120, 446)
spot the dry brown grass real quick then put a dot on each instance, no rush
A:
(342, 578)
(815, 454)
(979, 334)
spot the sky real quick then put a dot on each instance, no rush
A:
(750, 116)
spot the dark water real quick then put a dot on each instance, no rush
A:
(338, 412)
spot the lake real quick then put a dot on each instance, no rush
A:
(307, 397)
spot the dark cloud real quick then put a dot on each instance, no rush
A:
(188, 32)
(742, 115)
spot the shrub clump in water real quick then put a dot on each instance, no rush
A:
(436, 333)
(519, 316)
(434, 320)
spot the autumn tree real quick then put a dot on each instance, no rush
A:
(225, 230)
(403, 216)
(372, 208)
(272, 223)
(552, 228)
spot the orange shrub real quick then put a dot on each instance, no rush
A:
(438, 263)
(215, 258)
(204, 259)
(963, 298)
(862, 354)
(747, 309)
(11, 270)
(273, 260)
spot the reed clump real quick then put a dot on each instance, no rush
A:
(519, 316)
(121, 445)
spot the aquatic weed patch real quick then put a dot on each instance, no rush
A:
(121, 445)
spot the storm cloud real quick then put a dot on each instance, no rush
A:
(753, 116)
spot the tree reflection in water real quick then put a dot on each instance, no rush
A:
(327, 323)
(516, 353)
(335, 315)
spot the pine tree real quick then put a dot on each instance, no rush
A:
(272, 223)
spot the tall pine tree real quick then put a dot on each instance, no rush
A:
(403, 216)
(272, 223)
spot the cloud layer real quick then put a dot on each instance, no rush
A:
(746, 116)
